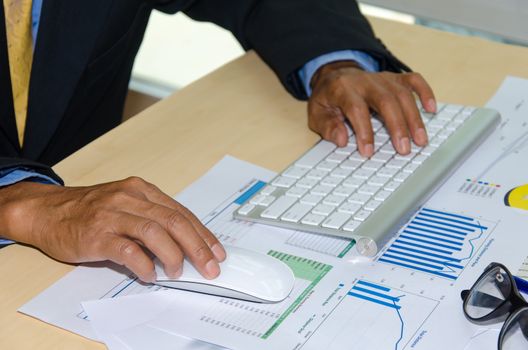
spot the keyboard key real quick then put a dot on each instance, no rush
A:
(396, 163)
(353, 182)
(392, 186)
(323, 209)
(348, 150)
(436, 141)
(341, 173)
(313, 219)
(336, 157)
(349, 208)
(363, 173)
(382, 195)
(428, 150)
(351, 225)
(325, 165)
(401, 176)
(295, 172)
(371, 165)
(419, 159)
(257, 199)
(307, 182)
(387, 172)
(368, 189)
(410, 168)
(343, 191)
(278, 207)
(362, 215)
(376, 124)
(352, 142)
(331, 181)
(316, 154)
(266, 202)
(268, 190)
(357, 156)
(296, 191)
(311, 199)
(246, 209)
(377, 180)
(336, 220)
(317, 174)
(372, 205)
(359, 198)
(283, 181)
(296, 213)
(351, 164)
(321, 190)
(387, 148)
(381, 157)
(333, 200)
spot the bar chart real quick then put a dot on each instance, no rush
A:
(438, 243)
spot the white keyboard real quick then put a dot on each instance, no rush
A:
(336, 191)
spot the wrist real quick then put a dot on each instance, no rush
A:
(332, 68)
(16, 203)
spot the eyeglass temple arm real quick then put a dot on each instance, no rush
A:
(522, 285)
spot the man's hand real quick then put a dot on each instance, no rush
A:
(343, 91)
(123, 221)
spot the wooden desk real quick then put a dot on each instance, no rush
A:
(240, 110)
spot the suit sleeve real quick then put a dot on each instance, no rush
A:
(289, 33)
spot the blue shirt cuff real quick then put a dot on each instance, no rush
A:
(14, 175)
(364, 60)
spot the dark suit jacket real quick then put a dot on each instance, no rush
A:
(86, 48)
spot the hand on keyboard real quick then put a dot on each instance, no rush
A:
(342, 91)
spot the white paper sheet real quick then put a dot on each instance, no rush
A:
(408, 298)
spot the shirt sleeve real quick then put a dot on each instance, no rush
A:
(364, 60)
(13, 175)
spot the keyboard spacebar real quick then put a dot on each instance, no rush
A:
(278, 207)
(316, 154)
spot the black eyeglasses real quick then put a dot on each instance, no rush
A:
(494, 298)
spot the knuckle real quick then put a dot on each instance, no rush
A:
(201, 252)
(148, 229)
(133, 182)
(175, 221)
(127, 250)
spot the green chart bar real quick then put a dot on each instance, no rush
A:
(306, 269)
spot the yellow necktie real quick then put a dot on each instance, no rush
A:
(20, 48)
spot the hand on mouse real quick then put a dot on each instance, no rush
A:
(118, 221)
(342, 90)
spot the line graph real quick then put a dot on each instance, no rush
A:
(373, 316)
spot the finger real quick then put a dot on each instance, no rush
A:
(328, 122)
(357, 112)
(125, 252)
(182, 231)
(146, 191)
(155, 238)
(418, 84)
(388, 107)
(412, 116)
(157, 196)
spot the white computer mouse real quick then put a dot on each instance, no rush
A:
(245, 275)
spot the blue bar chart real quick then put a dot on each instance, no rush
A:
(438, 243)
